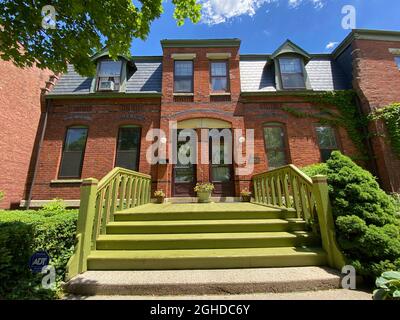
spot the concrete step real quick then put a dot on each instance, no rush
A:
(205, 240)
(206, 226)
(201, 282)
(205, 258)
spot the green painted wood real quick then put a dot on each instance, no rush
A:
(205, 258)
(335, 257)
(78, 261)
(205, 226)
(206, 240)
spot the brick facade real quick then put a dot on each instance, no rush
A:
(103, 118)
(377, 82)
(366, 60)
(19, 118)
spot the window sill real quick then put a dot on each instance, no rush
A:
(66, 181)
(213, 94)
(183, 94)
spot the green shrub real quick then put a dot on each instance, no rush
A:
(315, 169)
(388, 285)
(367, 227)
(56, 206)
(21, 234)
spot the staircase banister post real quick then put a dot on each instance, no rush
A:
(84, 229)
(326, 222)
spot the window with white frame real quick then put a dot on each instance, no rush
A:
(109, 75)
(292, 73)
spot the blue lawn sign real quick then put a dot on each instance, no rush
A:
(39, 260)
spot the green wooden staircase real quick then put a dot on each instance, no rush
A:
(204, 236)
(288, 224)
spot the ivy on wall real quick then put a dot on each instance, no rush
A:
(347, 115)
(391, 117)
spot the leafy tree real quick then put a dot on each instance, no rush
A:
(81, 29)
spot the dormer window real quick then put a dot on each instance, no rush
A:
(109, 75)
(292, 73)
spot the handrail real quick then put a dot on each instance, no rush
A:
(120, 189)
(289, 188)
(286, 187)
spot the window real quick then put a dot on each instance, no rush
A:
(275, 145)
(219, 76)
(73, 151)
(327, 141)
(128, 148)
(109, 76)
(397, 59)
(292, 73)
(183, 76)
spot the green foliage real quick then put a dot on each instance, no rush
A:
(391, 116)
(1, 195)
(204, 187)
(82, 29)
(21, 234)
(56, 206)
(368, 230)
(388, 285)
(396, 203)
(316, 169)
(348, 115)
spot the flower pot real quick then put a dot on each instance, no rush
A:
(246, 198)
(159, 199)
(204, 196)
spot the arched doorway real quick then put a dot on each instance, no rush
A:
(217, 170)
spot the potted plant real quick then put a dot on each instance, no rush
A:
(204, 191)
(159, 195)
(245, 195)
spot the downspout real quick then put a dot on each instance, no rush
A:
(28, 202)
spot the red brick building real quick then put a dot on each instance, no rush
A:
(19, 119)
(95, 124)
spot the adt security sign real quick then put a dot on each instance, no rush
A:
(39, 260)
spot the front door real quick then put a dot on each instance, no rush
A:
(184, 174)
(221, 170)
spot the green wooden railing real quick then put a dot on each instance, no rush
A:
(289, 188)
(286, 187)
(118, 190)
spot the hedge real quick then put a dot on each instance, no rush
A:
(24, 232)
(367, 224)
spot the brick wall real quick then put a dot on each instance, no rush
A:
(103, 119)
(377, 80)
(19, 118)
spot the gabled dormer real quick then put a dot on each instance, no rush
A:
(111, 75)
(290, 72)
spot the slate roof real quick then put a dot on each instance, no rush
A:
(325, 74)
(147, 79)
(256, 75)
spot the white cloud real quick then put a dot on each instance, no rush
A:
(219, 11)
(331, 45)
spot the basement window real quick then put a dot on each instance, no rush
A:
(109, 75)
(292, 73)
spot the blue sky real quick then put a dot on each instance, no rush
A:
(263, 25)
